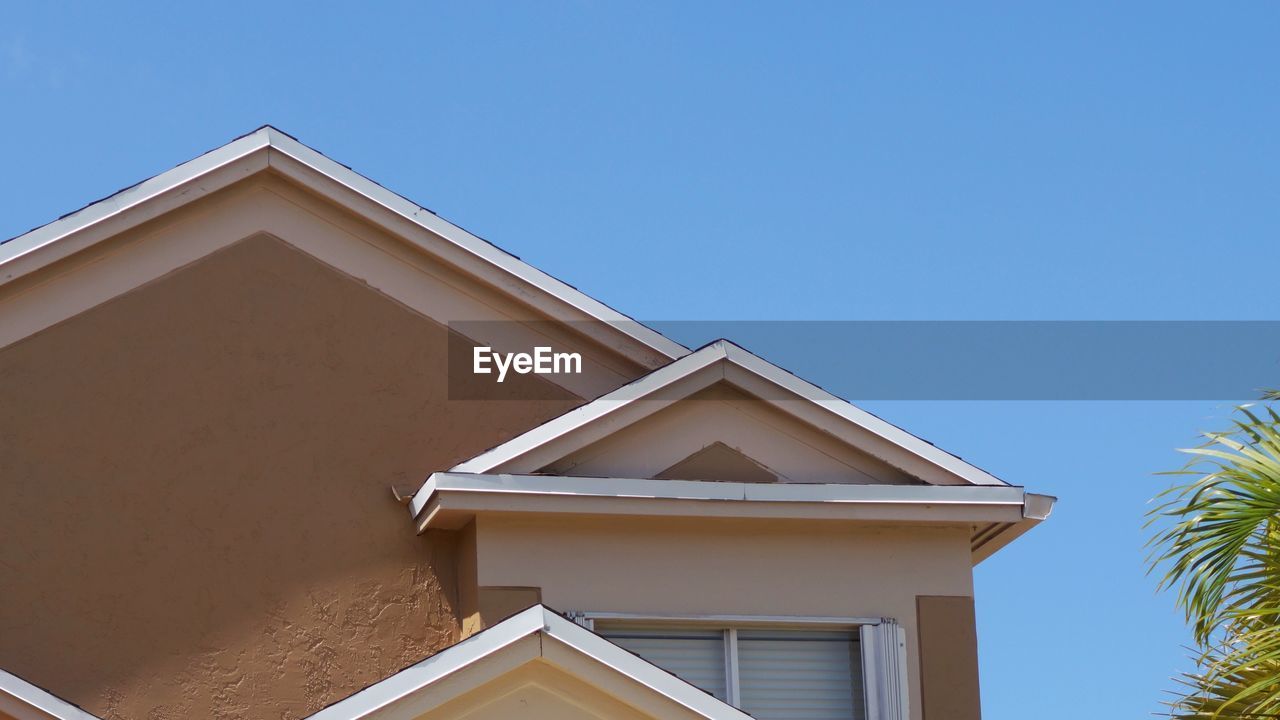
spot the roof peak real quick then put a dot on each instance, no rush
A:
(537, 620)
(268, 147)
(832, 414)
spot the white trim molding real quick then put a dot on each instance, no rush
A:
(270, 149)
(994, 514)
(882, 641)
(587, 619)
(724, 361)
(395, 696)
(25, 701)
(884, 671)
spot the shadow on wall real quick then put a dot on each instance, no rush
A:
(196, 490)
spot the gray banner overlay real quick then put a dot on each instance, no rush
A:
(974, 360)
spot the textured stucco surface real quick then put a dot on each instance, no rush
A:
(948, 658)
(733, 567)
(539, 690)
(195, 503)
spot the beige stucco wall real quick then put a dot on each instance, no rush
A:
(728, 567)
(721, 413)
(539, 691)
(536, 677)
(948, 658)
(194, 477)
(532, 701)
(195, 503)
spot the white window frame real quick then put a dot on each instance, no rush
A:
(882, 640)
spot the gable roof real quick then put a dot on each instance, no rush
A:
(724, 361)
(418, 688)
(24, 701)
(269, 148)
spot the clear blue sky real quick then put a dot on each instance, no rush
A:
(742, 161)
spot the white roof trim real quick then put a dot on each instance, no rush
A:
(535, 620)
(724, 354)
(451, 500)
(39, 241)
(628, 488)
(25, 701)
(272, 148)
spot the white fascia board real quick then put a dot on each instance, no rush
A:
(537, 619)
(268, 146)
(452, 499)
(850, 412)
(714, 490)
(702, 360)
(418, 676)
(483, 253)
(25, 701)
(46, 244)
(987, 541)
(593, 411)
(631, 665)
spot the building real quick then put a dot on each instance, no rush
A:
(247, 470)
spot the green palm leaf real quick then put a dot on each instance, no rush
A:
(1217, 544)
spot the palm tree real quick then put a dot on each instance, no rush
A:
(1217, 544)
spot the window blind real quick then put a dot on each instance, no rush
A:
(800, 674)
(776, 674)
(696, 656)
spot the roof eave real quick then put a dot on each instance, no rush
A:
(536, 620)
(831, 413)
(269, 148)
(134, 205)
(988, 540)
(451, 500)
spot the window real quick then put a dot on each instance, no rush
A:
(697, 656)
(772, 672)
(786, 674)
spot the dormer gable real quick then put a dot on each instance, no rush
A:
(535, 664)
(721, 463)
(724, 405)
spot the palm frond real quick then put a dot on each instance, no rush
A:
(1217, 543)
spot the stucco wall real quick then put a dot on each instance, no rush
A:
(538, 691)
(948, 658)
(195, 503)
(692, 567)
(721, 413)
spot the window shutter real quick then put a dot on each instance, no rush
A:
(800, 674)
(885, 671)
(782, 673)
(695, 656)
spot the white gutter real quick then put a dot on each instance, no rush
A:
(450, 500)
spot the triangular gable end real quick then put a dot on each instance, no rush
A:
(268, 151)
(549, 447)
(718, 461)
(541, 663)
